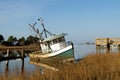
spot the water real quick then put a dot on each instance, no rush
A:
(14, 65)
(83, 50)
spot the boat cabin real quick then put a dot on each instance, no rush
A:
(53, 43)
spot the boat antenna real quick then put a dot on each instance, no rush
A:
(41, 21)
(44, 29)
(36, 30)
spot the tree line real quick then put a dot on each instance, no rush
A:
(13, 41)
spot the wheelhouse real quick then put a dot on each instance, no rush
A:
(53, 43)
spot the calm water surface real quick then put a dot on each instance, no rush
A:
(83, 50)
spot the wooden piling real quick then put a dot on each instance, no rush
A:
(98, 49)
(119, 48)
(22, 66)
(22, 51)
(6, 68)
(8, 51)
(108, 45)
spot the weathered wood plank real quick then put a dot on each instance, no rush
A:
(19, 47)
(105, 41)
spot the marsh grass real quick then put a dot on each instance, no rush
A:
(92, 67)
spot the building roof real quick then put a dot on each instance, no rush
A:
(54, 37)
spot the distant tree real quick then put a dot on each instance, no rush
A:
(12, 39)
(7, 43)
(15, 39)
(1, 38)
(35, 39)
(31, 40)
(21, 41)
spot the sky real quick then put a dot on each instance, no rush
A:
(82, 20)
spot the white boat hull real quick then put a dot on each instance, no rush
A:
(49, 55)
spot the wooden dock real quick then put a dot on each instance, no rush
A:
(8, 49)
(6, 54)
(107, 43)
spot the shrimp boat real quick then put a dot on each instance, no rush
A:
(53, 46)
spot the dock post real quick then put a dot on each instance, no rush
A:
(22, 54)
(22, 66)
(118, 48)
(98, 49)
(8, 50)
(6, 69)
(7, 64)
(22, 59)
(108, 46)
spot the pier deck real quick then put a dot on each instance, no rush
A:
(107, 43)
(5, 51)
(19, 47)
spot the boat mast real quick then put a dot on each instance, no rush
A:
(44, 29)
(41, 20)
(36, 30)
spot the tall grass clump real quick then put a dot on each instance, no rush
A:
(95, 67)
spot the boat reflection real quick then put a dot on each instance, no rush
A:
(46, 66)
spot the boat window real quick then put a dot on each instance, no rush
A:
(61, 39)
(45, 44)
(51, 42)
(54, 41)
